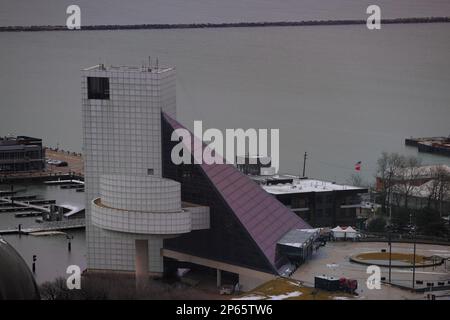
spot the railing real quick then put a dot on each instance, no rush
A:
(396, 237)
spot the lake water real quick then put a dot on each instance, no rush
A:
(51, 252)
(342, 93)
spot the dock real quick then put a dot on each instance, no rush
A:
(7, 193)
(69, 182)
(436, 145)
(43, 202)
(22, 198)
(13, 209)
(69, 224)
(27, 214)
(21, 206)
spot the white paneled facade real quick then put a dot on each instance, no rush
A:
(143, 205)
(123, 172)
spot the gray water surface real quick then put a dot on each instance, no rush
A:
(342, 93)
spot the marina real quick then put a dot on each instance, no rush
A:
(50, 214)
(31, 234)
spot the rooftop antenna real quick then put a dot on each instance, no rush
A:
(305, 156)
(157, 63)
(101, 64)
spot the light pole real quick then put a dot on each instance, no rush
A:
(414, 259)
(390, 256)
(69, 244)
(304, 164)
(33, 267)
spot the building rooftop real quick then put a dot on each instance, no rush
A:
(299, 237)
(18, 143)
(296, 185)
(428, 171)
(143, 68)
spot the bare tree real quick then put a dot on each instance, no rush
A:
(382, 176)
(356, 180)
(54, 290)
(438, 188)
(389, 166)
(407, 177)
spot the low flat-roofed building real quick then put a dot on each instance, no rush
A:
(320, 203)
(21, 153)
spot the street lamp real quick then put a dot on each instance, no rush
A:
(69, 244)
(390, 255)
(414, 257)
(34, 263)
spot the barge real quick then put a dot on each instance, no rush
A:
(436, 145)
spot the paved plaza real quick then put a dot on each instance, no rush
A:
(333, 260)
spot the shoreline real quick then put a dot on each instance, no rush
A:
(225, 25)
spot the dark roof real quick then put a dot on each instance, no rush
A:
(18, 147)
(16, 280)
(19, 142)
(265, 218)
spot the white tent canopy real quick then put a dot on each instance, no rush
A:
(338, 232)
(347, 232)
(350, 232)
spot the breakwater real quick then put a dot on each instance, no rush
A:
(225, 25)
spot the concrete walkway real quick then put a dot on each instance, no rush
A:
(333, 260)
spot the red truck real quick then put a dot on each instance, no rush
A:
(348, 285)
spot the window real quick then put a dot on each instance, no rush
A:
(98, 88)
(150, 172)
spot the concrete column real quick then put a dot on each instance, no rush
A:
(141, 263)
(219, 278)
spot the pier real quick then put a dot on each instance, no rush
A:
(48, 226)
(69, 182)
(21, 206)
(28, 206)
(27, 214)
